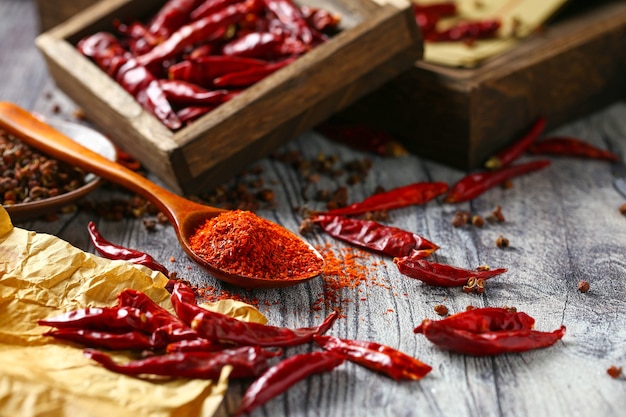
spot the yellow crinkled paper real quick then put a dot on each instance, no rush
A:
(43, 276)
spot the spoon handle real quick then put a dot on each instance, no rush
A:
(43, 137)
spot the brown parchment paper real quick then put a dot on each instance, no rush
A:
(42, 276)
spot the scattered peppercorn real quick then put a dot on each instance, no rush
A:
(502, 242)
(614, 371)
(441, 310)
(583, 286)
(622, 209)
(478, 221)
(461, 218)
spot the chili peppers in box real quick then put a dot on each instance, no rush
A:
(196, 89)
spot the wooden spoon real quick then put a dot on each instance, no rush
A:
(185, 215)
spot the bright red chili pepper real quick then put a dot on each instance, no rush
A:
(203, 70)
(380, 358)
(105, 340)
(569, 146)
(111, 319)
(374, 236)
(363, 137)
(412, 194)
(512, 152)
(185, 93)
(487, 331)
(197, 31)
(196, 345)
(116, 252)
(250, 76)
(171, 16)
(428, 15)
(216, 326)
(246, 361)
(291, 18)
(283, 375)
(441, 275)
(474, 184)
(261, 45)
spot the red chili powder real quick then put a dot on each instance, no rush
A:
(242, 243)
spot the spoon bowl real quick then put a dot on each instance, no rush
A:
(185, 215)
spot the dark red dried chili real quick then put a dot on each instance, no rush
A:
(465, 31)
(246, 362)
(110, 319)
(185, 93)
(246, 78)
(262, 45)
(203, 70)
(291, 19)
(374, 236)
(487, 331)
(280, 377)
(474, 184)
(412, 194)
(569, 146)
(220, 327)
(171, 16)
(442, 275)
(377, 357)
(512, 152)
(105, 340)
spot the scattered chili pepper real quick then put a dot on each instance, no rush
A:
(363, 137)
(433, 273)
(216, 326)
(283, 375)
(487, 331)
(110, 319)
(249, 76)
(412, 194)
(380, 358)
(106, 340)
(243, 243)
(116, 252)
(512, 152)
(186, 93)
(569, 146)
(474, 184)
(246, 361)
(374, 236)
(203, 70)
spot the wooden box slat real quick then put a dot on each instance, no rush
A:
(461, 116)
(380, 43)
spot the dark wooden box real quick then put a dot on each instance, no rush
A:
(461, 116)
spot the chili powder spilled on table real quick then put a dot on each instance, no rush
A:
(240, 242)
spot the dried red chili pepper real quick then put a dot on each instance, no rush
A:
(487, 331)
(209, 7)
(283, 375)
(138, 38)
(246, 361)
(374, 236)
(191, 113)
(223, 328)
(380, 358)
(197, 31)
(105, 50)
(116, 252)
(465, 31)
(106, 340)
(261, 45)
(474, 184)
(250, 76)
(569, 146)
(441, 275)
(412, 194)
(203, 70)
(110, 319)
(291, 18)
(195, 345)
(512, 152)
(185, 93)
(320, 19)
(428, 15)
(171, 16)
(363, 137)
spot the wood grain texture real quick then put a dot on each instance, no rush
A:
(563, 224)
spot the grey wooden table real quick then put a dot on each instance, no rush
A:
(563, 225)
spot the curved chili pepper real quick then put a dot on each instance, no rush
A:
(441, 275)
(253, 45)
(199, 30)
(246, 361)
(105, 50)
(320, 19)
(380, 358)
(138, 38)
(171, 16)
(195, 345)
(412, 194)
(116, 252)
(105, 340)
(363, 137)
(374, 236)
(473, 185)
(568, 146)
(512, 152)
(191, 113)
(183, 92)
(203, 70)
(208, 7)
(250, 76)
(111, 319)
(216, 326)
(291, 18)
(487, 331)
(283, 375)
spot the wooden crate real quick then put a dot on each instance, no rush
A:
(461, 116)
(377, 43)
